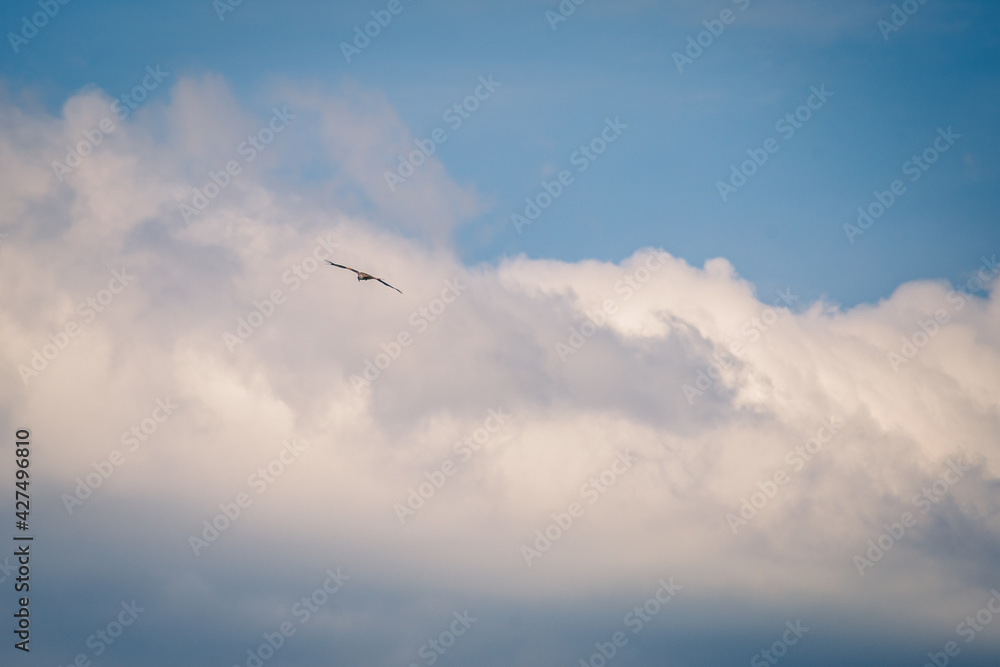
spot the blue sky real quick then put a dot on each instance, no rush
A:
(658, 186)
(566, 412)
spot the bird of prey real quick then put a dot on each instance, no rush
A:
(362, 275)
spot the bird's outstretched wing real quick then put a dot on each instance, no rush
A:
(342, 266)
(388, 285)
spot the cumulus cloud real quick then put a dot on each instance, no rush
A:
(440, 430)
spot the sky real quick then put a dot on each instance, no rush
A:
(696, 360)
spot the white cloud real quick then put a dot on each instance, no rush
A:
(494, 347)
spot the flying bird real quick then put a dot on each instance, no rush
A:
(363, 276)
